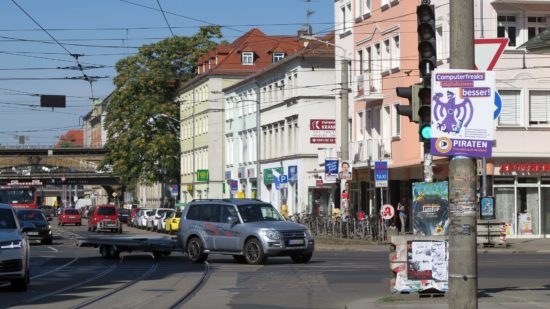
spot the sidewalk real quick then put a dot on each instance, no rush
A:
(513, 246)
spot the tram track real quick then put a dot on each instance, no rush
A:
(194, 289)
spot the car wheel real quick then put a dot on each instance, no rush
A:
(105, 251)
(254, 253)
(239, 259)
(58, 223)
(195, 250)
(21, 284)
(301, 258)
(89, 228)
(120, 230)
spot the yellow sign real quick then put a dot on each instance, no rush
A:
(189, 187)
(240, 194)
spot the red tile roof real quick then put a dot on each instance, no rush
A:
(73, 138)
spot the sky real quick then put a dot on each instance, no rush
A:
(35, 62)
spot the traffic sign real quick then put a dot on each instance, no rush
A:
(283, 179)
(381, 174)
(498, 105)
(387, 212)
(487, 52)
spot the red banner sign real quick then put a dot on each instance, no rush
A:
(524, 168)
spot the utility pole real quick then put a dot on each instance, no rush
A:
(344, 111)
(462, 177)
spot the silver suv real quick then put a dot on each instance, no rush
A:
(14, 249)
(250, 230)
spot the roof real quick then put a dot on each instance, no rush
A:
(540, 42)
(234, 201)
(229, 56)
(72, 137)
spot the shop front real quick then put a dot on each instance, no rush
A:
(522, 196)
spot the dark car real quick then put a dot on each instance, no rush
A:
(42, 230)
(123, 215)
(48, 211)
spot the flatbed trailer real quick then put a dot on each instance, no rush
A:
(111, 247)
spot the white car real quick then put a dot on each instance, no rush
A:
(161, 225)
(154, 218)
(141, 218)
(14, 248)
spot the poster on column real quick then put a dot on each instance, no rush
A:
(463, 105)
(430, 208)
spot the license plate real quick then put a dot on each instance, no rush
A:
(296, 242)
(33, 233)
(72, 217)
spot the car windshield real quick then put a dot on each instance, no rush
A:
(7, 221)
(15, 196)
(71, 212)
(178, 214)
(106, 211)
(256, 213)
(30, 215)
(161, 212)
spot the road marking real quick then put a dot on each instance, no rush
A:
(53, 249)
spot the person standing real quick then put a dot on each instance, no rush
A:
(402, 210)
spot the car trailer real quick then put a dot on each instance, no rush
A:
(111, 247)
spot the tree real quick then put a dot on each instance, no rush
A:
(140, 144)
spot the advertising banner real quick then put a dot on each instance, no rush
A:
(427, 260)
(463, 105)
(293, 173)
(331, 170)
(345, 171)
(488, 208)
(430, 208)
(322, 131)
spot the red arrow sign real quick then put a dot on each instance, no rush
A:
(487, 52)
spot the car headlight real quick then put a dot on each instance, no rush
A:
(16, 244)
(49, 226)
(308, 233)
(275, 235)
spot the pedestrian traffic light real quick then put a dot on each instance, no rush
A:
(426, 39)
(425, 114)
(410, 93)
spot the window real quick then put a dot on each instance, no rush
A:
(368, 59)
(395, 53)
(278, 56)
(439, 42)
(358, 9)
(507, 28)
(377, 57)
(396, 122)
(535, 25)
(510, 114)
(366, 9)
(359, 61)
(247, 58)
(360, 123)
(386, 56)
(539, 107)
(343, 19)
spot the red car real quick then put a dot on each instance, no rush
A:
(104, 218)
(70, 216)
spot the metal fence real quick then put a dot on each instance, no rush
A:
(370, 228)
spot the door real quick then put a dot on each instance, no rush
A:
(228, 239)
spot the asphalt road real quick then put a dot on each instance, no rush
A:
(64, 276)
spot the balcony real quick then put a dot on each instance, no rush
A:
(370, 149)
(369, 87)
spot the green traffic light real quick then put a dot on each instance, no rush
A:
(426, 132)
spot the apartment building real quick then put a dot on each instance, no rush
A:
(290, 94)
(202, 110)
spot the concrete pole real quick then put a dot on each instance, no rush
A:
(462, 177)
(344, 110)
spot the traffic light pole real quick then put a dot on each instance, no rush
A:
(462, 177)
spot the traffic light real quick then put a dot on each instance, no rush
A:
(425, 14)
(410, 93)
(425, 114)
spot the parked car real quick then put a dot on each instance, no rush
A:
(123, 214)
(70, 216)
(42, 229)
(248, 229)
(173, 222)
(14, 245)
(161, 223)
(132, 215)
(48, 211)
(154, 217)
(104, 218)
(141, 218)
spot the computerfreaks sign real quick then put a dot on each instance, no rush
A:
(322, 131)
(463, 103)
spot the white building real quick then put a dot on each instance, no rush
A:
(290, 94)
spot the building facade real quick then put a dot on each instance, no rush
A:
(202, 111)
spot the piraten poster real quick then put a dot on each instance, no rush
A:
(463, 103)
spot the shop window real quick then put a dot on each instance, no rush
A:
(504, 181)
(545, 181)
(505, 208)
(528, 180)
(528, 208)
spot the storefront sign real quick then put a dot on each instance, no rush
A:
(488, 208)
(430, 208)
(508, 168)
(322, 131)
(462, 113)
(387, 212)
(293, 173)
(202, 175)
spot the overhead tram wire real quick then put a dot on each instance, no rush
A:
(165, 19)
(75, 56)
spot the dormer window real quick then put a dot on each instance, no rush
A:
(278, 56)
(247, 58)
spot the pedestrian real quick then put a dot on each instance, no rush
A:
(402, 210)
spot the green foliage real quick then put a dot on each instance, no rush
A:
(140, 143)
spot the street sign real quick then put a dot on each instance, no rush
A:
(381, 174)
(322, 131)
(283, 179)
(234, 185)
(463, 103)
(293, 173)
(487, 52)
(387, 212)
(498, 106)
